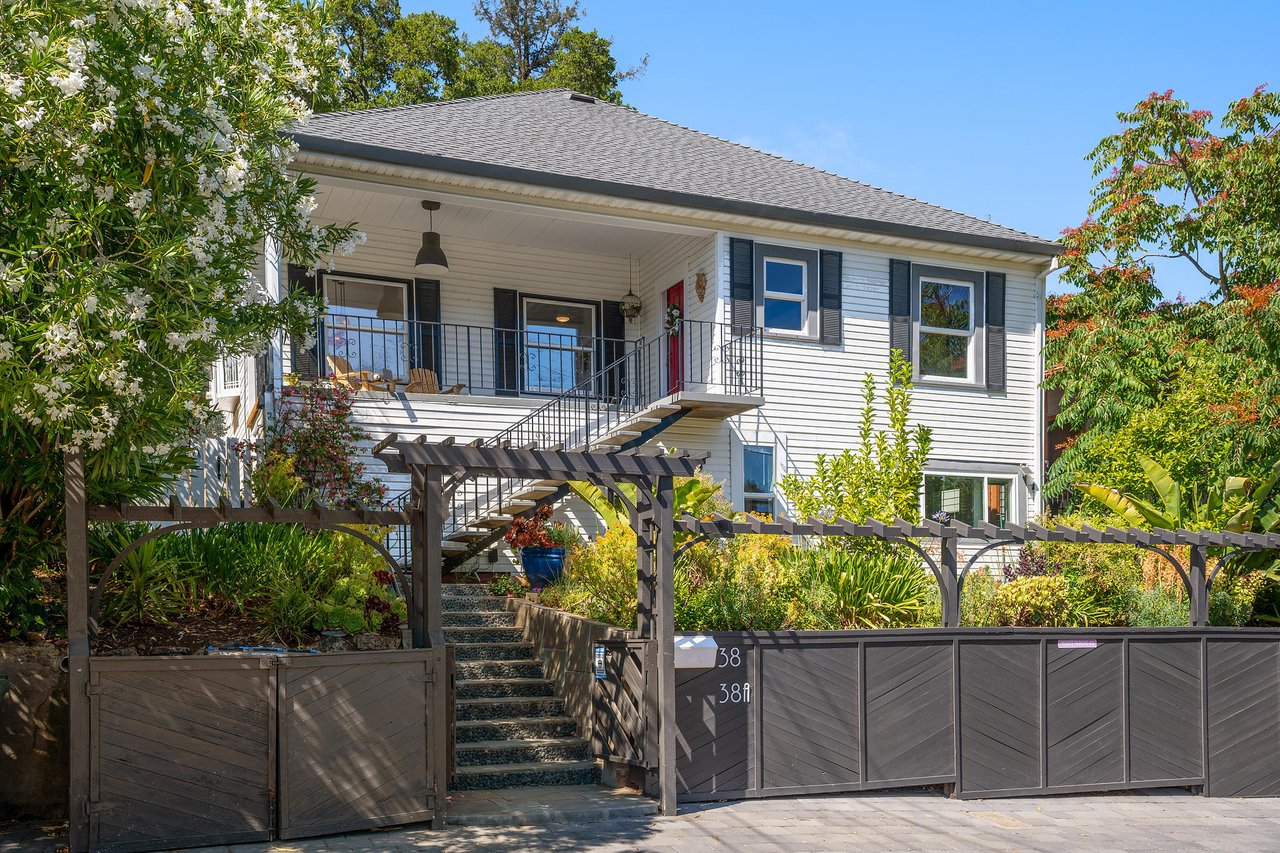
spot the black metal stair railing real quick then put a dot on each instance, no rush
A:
(692, 356)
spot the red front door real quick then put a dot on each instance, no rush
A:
(675, 340)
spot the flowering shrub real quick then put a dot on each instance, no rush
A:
(309, 454)
(144, 167)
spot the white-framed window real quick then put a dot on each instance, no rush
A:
(757, 478)
(366, 326)
(228, 375)
(946, 332)
(969, 498)
(559, 351)
(785, 293)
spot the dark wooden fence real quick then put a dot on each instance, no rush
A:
(201, 750)
(994, 712)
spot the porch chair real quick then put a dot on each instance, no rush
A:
(365, 380)
(424, 381)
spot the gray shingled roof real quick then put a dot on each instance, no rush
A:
(551, 139)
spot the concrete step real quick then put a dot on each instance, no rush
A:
(483, 635)
(455, 590)
(563, 805)
(479, 619)
(524, 775)
(522, 751)
(474, 731)
(492, 651)
(473, 670)
(509, 708)
(451, 547)
(472, 603)
(502, 688)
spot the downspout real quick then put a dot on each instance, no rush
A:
(275, 348)
(1042, 429)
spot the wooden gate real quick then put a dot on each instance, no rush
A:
(183, 750)
(353, 741)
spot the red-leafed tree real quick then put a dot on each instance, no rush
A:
(1176, 186)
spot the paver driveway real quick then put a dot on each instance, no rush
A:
(922, 821)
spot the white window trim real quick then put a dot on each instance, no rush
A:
(806, 323)
(970, 332)
(221, 387)
(773, 459)
(1016, 503)
(336, 320)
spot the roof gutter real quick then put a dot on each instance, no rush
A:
(396, 157)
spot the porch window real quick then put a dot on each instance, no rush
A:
(757, 479)
(946, 329)
(969, 499)
(785, 294)
(367, 325)
(559, 344)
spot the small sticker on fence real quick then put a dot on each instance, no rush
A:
(1077, 644)
(599, 661)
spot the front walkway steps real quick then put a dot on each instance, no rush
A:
(512, 731)
(568, 804)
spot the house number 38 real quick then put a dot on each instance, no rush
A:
(735, 694)
(730, 657)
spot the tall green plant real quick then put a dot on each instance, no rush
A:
(860, 589)
(691, 496)
(881, 477)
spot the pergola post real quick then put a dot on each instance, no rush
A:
(645, 574)
(1198, 586)
(427, 585)
(665, 633)
(80, 735)
(950, 582)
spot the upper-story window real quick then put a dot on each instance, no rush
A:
(785, 294)
(367, 325)
(946, 328)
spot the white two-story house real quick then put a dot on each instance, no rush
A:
(546, 267)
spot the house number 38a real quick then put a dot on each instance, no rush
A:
(735, 694)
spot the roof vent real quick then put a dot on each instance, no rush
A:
(578, 96)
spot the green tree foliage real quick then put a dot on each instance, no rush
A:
(394, 59)
(881, 477)
(1174, 185)
(143, 167)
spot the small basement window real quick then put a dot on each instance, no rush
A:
(969, 498)
(757, 479)
(786, 294)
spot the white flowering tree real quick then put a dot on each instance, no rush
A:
(142, 167)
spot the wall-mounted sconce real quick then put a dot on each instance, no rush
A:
(700, 286)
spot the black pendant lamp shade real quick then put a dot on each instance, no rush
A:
(431, 259)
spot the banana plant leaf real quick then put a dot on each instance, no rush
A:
(1136, 512)
(1167, 488)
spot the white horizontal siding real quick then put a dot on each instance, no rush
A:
(814, 392)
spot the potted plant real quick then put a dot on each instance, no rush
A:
(541, 546)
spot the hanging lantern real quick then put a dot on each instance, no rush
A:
(629, 306)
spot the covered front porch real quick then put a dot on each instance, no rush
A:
(531, 302)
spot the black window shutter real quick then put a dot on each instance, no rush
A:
(425, 333)
(997, 361)
(900, 307)
(831, 265)
(613, 333)
(306, 360)
(506, 342)
(742, 291)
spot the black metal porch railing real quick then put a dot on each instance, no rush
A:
(692, 357)
(483, 360)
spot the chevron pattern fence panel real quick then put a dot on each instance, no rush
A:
(181, 753)
(996, 712)
(353, 741)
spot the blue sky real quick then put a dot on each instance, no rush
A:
(987, 108)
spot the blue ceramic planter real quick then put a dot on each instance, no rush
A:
(542, 566)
